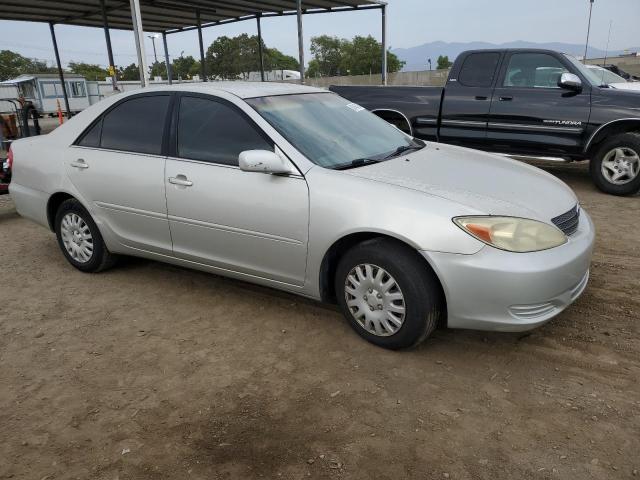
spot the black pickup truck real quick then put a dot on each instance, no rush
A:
(522, 102)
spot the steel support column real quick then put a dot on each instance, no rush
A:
(203, 68)
(60, 72)
(300, 41)
(166, 58)
(138, 34)
(384, 44)
(107, 37)
(260, 52)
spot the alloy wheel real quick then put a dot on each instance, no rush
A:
(621, 165)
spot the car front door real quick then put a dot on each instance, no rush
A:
(117, 166)
(531, 114)
(246, 222)
(467, 99)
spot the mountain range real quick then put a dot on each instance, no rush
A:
(416, 57)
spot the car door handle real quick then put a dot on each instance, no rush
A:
(481, 97)
(79, 163)
(505, 99)
(181, 180)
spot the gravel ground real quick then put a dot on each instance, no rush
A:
(149, 371)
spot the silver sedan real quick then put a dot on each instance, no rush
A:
(296, 188)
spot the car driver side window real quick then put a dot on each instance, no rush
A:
(212, 131)
(533, 70)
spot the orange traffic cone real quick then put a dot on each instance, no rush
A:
(60, 119)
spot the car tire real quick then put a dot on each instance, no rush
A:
(619, 154)
(79, 238)
(397, 301)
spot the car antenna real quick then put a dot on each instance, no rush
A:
(606, 50)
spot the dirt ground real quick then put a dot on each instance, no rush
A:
(149, 371)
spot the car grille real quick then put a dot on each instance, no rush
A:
(568, 221)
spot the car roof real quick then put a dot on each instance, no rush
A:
(239, 89)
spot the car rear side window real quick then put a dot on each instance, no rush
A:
(212, 131)
(479, 69)
(136, 125)
(91, 137)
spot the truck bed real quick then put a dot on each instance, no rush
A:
(419, 107)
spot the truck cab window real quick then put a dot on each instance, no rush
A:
(533, 70)
(479, 69)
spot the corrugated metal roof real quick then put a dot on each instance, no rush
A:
(165, 15)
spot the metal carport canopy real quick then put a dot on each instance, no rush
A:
(172, 16)
(167, 15)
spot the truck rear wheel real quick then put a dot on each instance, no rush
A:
(615, 168)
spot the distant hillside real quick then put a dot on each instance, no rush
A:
(416, 57)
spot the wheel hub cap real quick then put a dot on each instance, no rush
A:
(374, 299)
(76, 237)
(621, 165)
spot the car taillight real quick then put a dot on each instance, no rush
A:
(10, 158)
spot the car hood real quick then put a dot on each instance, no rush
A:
(487, 183)
(632, 86)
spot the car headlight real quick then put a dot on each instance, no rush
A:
(511, 233)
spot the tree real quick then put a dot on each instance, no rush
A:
(130, 72)
(363, 55)
(333, 56)
(183, 68)
(443, 62)
(327, 54)
(233, 57)
(274, 59)
(158, 69)
(236, 57)
(13, 64)
(89, 71)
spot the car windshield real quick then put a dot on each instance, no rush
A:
(607, 77)
(331, 131)
(592, 76)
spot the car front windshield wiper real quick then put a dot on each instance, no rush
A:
(404, 149)
(358, 162)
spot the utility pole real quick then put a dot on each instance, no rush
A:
(586, 45)
(153, 41)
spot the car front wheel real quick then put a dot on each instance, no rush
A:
(388, 294)
(79, 238)
(616, 166)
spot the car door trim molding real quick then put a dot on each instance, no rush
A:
(463, 123)
(235, 167)
(128, 152)
(426, 121)
(136, 211)
(240, 231)
(542, 128)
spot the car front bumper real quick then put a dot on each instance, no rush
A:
(511, 292)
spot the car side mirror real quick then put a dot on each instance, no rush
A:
(263, 161)
(570, 81)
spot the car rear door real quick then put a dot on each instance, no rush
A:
(117, 166)
(246, 222)
(467, 99)
(530, 114)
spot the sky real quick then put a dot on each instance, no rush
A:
(410, 23)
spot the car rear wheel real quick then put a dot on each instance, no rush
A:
(388, 294)
(79, 238)
(616, 166)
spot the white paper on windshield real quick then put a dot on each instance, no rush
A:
(355, 107)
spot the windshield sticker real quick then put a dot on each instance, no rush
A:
(355, 107)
